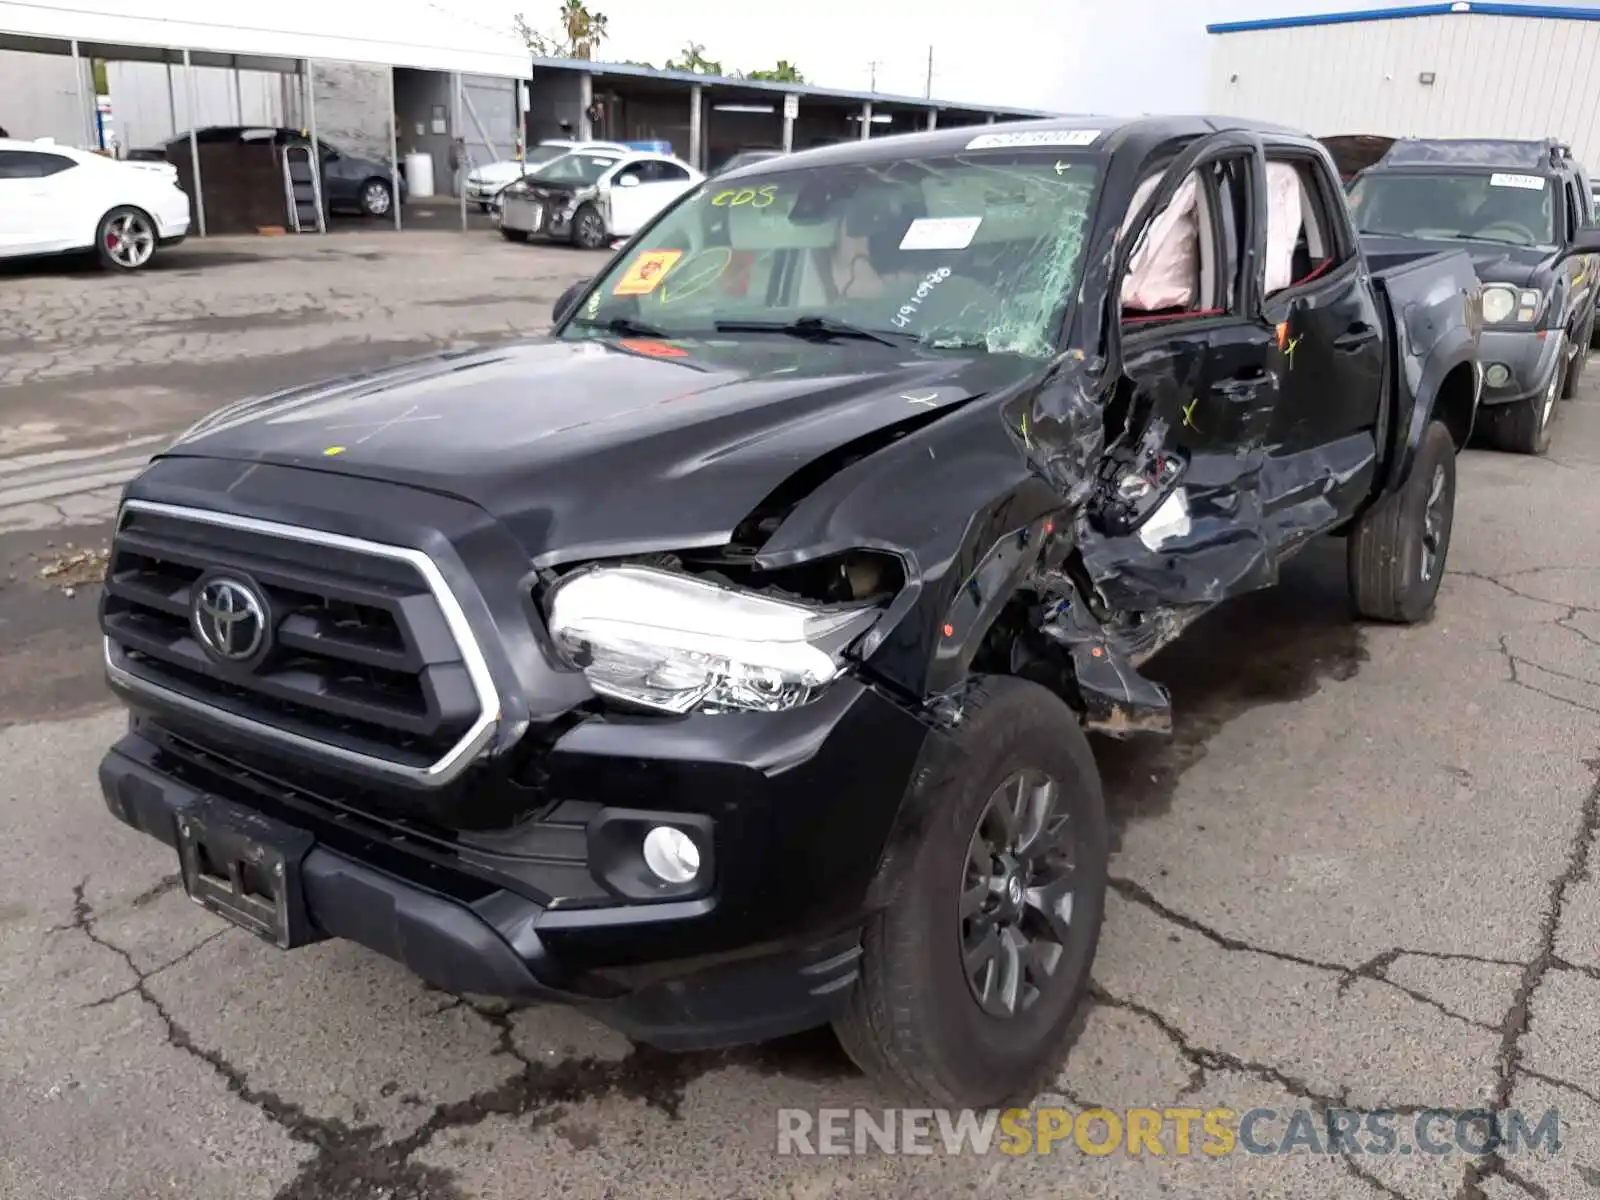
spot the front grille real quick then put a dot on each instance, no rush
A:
(362, 658)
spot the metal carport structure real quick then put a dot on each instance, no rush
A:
(181, 32)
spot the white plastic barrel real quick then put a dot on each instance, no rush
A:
(419, 173)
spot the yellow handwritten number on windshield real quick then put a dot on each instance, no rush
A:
(761, 197)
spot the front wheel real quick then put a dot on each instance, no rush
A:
(376, 198)
(126, 240)
(1524, 427)
(588, 228)
(1396, 554)
(972, 974)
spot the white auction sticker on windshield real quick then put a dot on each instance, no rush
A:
(1052, 138)
(1531, 183)
(941, 233)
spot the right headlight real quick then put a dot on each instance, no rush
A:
(676, 644)
(1502, 302)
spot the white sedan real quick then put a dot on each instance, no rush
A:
(485, 183)
(592, 197)
(56, 200)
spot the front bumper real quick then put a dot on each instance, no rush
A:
(536, 217)
(1528, 357)
(794, 818)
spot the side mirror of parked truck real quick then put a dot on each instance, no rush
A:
(1587, 242)
(566, 301)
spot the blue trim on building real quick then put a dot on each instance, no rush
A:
(1547, 12)
(599, 68)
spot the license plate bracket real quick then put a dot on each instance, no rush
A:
(246, 868)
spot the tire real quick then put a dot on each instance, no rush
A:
(1397, 552)
(588, 229)
(126, 239)
(914, 1022)
(1580, 359)
(514, 235)
(376, 198)
(1524, 427)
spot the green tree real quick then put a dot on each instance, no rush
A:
(693, 60)
(578, 35)
(784, 72)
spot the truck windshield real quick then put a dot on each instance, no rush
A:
(975, 251)
(1484, 206)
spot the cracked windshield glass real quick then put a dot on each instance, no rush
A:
(970, 251)
(1483, 206)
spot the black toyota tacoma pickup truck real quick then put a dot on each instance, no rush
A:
(1521, 210)
(721, 662)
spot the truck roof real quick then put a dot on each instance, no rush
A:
(1111, 133)
(1546, 155)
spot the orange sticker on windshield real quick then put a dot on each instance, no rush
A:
(646, 273)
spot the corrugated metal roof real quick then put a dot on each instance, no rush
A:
(1545, 12)
(596, 67)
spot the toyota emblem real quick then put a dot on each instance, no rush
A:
(230, 619)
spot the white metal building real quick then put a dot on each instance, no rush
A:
(1465, 69)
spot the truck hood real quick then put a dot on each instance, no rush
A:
(1517, 265)
(588, 448)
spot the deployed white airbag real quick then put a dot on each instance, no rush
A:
(1284, 218)
(1165, 270)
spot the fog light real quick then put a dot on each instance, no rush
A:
(1498, 375)
(671, 854)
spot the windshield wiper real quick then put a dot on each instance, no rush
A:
(624, 326)
(815, 328)
(1442, 237)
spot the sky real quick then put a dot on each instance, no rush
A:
(1059, 55)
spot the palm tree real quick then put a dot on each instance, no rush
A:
(695, 62)
(784, 72)
(585, 30)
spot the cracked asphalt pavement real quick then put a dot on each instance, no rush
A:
(1362, 874)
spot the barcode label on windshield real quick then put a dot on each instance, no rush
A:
(1530, 183)
(1034, 139)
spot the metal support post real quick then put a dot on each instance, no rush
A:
(309, 79)
(394, 154)
(194, 146)
(697, 133)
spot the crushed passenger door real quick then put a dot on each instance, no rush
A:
(1177, 501)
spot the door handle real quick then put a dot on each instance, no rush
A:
(1356, 336)
(1244, 385)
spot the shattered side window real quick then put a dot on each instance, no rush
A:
(979, 250)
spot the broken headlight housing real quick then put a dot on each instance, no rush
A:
(678, 644)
